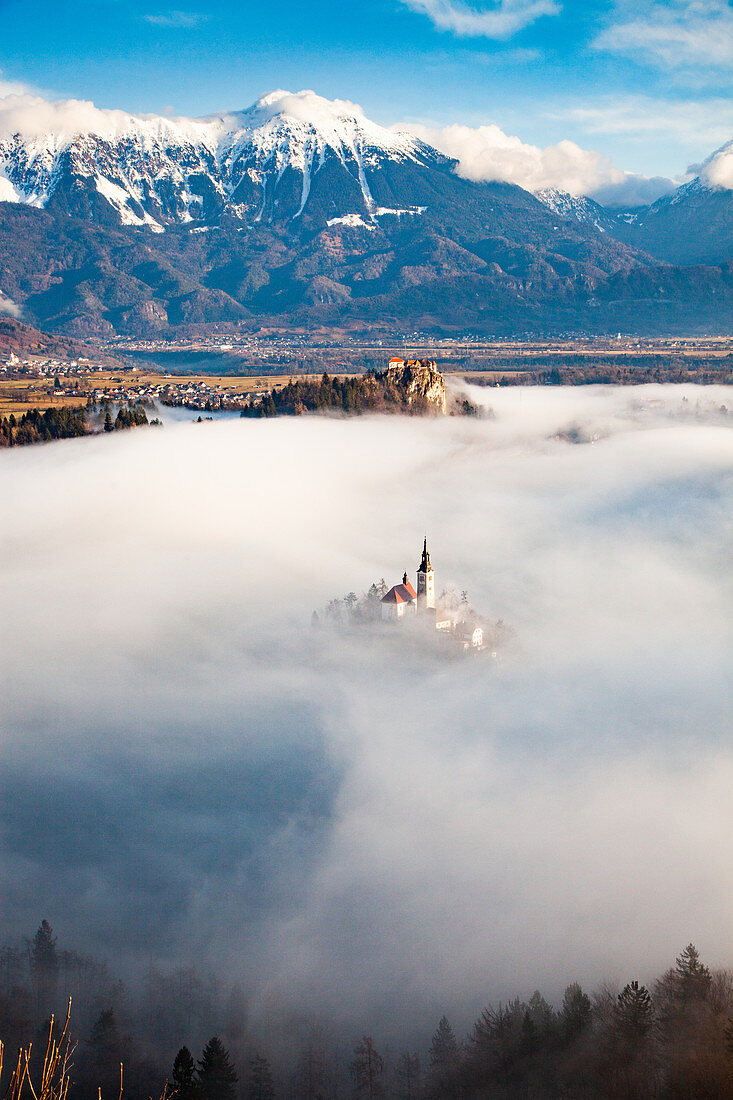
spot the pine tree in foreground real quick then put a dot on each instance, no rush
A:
(184, 1075)
(217, 1075)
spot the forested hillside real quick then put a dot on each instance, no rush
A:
(672, 1039)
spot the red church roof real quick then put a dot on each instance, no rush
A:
(400, 593)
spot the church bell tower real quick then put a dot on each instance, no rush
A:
(425, 581)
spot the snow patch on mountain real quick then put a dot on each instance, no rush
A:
(119, 198)
(384, 211)
(351, 221)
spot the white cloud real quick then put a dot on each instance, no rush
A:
(12, 87)
(8, 307)
(675, 34)
(500, 20)
(689, 122)
(33, 116)
(176, 19)
(717, 170)
(486, 153)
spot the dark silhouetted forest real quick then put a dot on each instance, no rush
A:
(672, 1040)
(348, 394)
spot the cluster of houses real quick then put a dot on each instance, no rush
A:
(32, 366)
(205, 396)
(451, 618)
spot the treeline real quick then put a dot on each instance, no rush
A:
(670, 1041)
(65, 422)
(131, 416)
(349, 394)
(35, 426)
(615, 374)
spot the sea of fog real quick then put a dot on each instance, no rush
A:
(190, 773)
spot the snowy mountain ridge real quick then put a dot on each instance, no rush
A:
(577, 207)
(158, 171)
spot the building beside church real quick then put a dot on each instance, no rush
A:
(400, 599)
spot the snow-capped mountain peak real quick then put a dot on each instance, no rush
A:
(335, 122)
(578, 208)
(256, 164)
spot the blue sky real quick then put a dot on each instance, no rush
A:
(646, 82)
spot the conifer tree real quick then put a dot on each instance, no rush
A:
(108, 425)
(634, 1013)
(259, 1085)
(184, 1075)
(311, 1075)
(541, 1016)
(692, 979)
(407, 1077)
(217, 1076)
(106, 1049)
(575, 1012)
(367, 1068)
(44, 966)
(444, 1063)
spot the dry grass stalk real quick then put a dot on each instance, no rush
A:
(55, 1079)
(54, 1082)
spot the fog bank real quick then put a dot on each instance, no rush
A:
(191, 774)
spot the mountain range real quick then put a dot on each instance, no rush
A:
(302, 212)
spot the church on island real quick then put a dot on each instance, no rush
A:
(448, 616)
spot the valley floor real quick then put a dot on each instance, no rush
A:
(205, 371)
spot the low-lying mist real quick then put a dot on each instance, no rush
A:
(370, 837)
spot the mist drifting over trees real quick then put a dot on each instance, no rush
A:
(674, 1039)
(293, 840)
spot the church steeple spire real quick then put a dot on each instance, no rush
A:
(425, 581)
(425, 566)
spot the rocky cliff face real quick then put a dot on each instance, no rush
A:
(419, 380)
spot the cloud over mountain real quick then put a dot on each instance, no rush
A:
(32, 116)
(488, 153)
(717, 170)
(246, 205)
